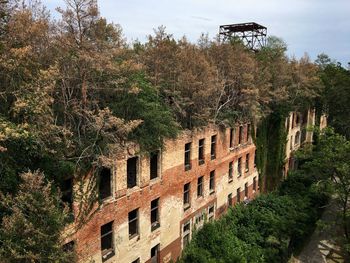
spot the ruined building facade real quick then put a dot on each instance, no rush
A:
(151, 205)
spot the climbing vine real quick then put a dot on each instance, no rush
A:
(270, 141)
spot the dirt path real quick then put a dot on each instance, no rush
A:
(322, 247)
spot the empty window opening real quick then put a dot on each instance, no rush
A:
(240, 138)
(187, 156)
(186, 234)
(211, 213)
(201, 151)
(154, 166)
(155, 214)
(213, 147)
(246, 190)
(132, 171)
(105, 189)
(232, 137)
(187, 188)
(229, 200)
(67, 191)
(238, 195)
(200, 186)
(248, 131)
(239, 166)
(68, 247)
(230, 171)
(247, 162)
(107, 249)
(136, 260)
(212, 181)
(133, 223)
(155, 254)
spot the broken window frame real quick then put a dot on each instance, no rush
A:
(212, 182)
(132, 171)
(200, 182)
(133, 223)
(213, 147)
(187, 196)
(230, 172)
(155, 214)
(154, 161)
(105, 183)
(239, 167)
(109, 252)
(201, 155)
(188, 156)
(247, 157)
(155, 255)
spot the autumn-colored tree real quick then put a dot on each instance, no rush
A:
(33, 223)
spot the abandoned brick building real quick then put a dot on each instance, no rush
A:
(152, 204)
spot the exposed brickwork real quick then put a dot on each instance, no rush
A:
(169, 189)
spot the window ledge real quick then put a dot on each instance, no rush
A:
(212, 192)
(134, 237)
(155, 226)
(200, 162)
(107, 254)
(230, 180)
(186, 206)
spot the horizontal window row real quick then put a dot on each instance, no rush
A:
(243, 138)
(107, 234)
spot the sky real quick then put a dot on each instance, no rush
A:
(311, 26)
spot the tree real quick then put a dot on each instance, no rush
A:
(32, 227)
(330, 162)
(335, 99)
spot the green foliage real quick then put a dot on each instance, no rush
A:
(329, 163)
(335, 96)
(140, 101)
(32, 227)
(266, 230)
(271, 142)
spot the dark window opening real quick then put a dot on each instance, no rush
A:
(248, 131)
(155, 214)
(187, 156)
(238, 195)
(200, 186)
(155, 254)
(240, 139)
(154, 159)
(229, 200)
(105, 189)
(230, 171)
(212, 181)
(213, 147)
(186, 234)
(187, 188)
(247, 162)
(132, 172)
(69, 247)
(246, 189)
(232, 137)
(239, 166)
(133, 223)
(136, 260)
(107, 241)
(201, 151)
(67, 191)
